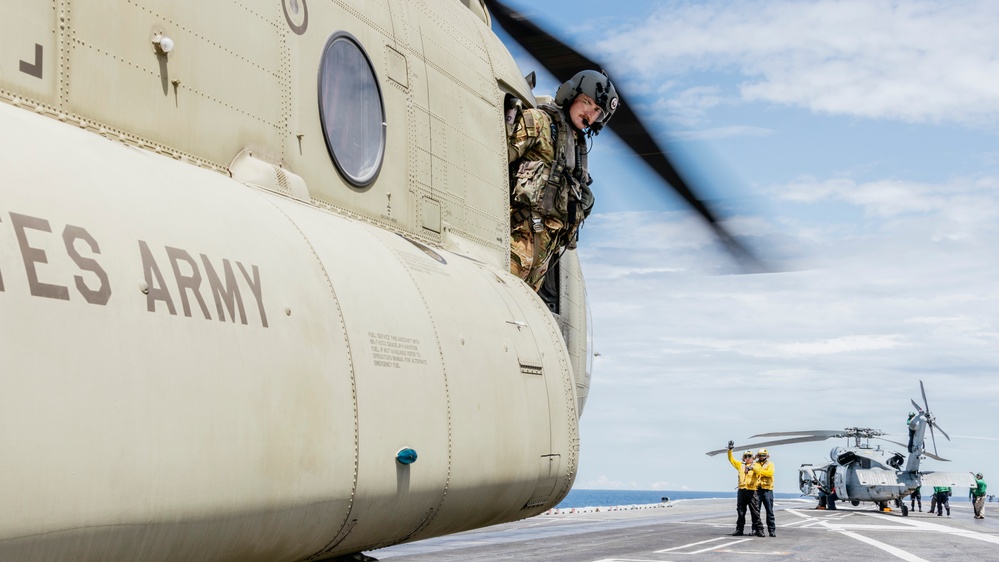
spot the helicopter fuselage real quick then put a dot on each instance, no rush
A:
(217, 345)
(859, 474)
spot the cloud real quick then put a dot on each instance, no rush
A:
(891, 274)
(604, 483)
(917, 61)
(690, 359)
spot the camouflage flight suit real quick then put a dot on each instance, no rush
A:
(546, 208)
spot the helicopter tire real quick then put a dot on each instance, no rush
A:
(905, 511)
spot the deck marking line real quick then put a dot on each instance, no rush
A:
(624, 560)
(718, 546)
(918, 525)
(785, 553)
(691, 544)
(898, 552)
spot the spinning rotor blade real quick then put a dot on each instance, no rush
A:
(564, 62)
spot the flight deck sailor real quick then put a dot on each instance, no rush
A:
(942, 496)
(764, 470)
(549, 181)
(916, 497)
(978, 496)
(746, 498)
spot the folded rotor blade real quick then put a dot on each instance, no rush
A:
(924, 453)
(715, 452)
(918, 407)
(769, 444)
(900, 444)
(564, 62)
(940, 429)
(934, 457)
(815, 432)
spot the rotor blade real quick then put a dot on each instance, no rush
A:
(934, 457)
(923, 390)
(715, 452)
(815, 432)
(769, 444)
(895, 442)
(564, 62)
(940, 429)
(924, 453)
(934, 439)
(918, 407)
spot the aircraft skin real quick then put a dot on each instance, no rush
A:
(214, 347)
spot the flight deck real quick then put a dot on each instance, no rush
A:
(700, 530)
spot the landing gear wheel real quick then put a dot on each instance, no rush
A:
(905, 511)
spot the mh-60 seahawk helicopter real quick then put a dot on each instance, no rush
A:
(863, 473)
(255, 300)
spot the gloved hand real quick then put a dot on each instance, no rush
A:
(731, 445)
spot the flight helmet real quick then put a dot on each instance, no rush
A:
(594, 84)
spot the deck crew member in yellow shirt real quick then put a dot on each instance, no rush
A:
(763, 468)
(747, 493)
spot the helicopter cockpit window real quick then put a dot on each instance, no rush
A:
(350, 106)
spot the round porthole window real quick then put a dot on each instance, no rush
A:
(350, 105)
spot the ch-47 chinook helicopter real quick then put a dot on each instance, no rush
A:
(865, 473)
(254, 289)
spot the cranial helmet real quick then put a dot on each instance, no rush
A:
(764, 453)
(594, 84)
(747, 454)
(979, 476)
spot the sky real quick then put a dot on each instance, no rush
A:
(854, 145)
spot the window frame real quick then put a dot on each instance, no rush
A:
(355, 182)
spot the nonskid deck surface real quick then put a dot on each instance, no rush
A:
(700, 529)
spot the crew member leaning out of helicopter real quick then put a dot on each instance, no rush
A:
(764, 470)
(549, 182)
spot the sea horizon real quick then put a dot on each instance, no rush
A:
(600, 498)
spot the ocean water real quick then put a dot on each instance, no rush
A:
(599, 498)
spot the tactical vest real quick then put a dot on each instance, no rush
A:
(555, 189)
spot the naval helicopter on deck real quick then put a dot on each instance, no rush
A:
(254, 281)
(863, 472)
